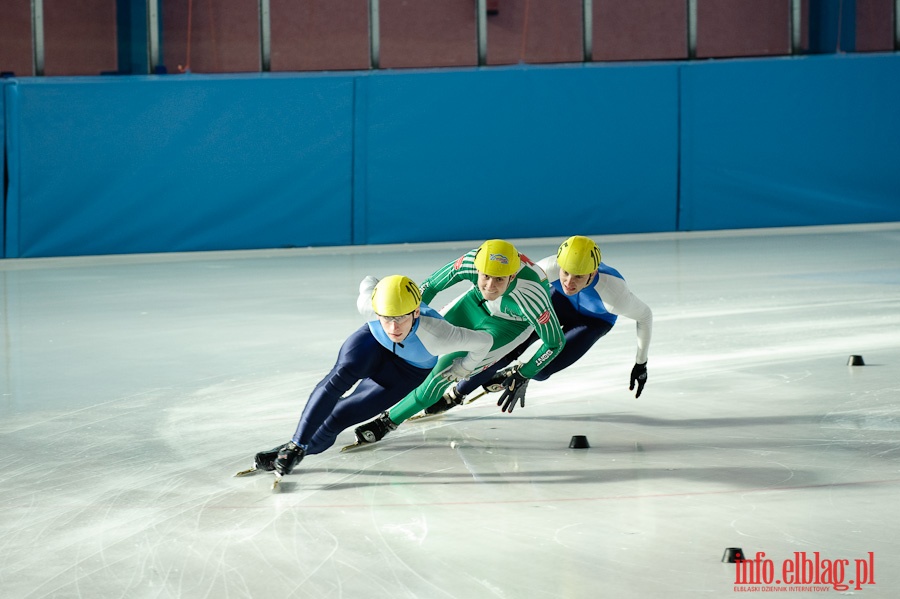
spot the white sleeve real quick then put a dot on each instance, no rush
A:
(619, 299)
(440, 337)
(364, 301)
(551, 267)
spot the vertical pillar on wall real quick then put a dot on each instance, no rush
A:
(37, 36)
(832, 26)
(481, 29)
(153, 48)
(265, 36)
(692, 28)
(139, 37)
(847, 29)
(896, 24)
(587, 18)
(374, 34)
(796, 18)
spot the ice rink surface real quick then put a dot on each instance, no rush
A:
(133, 387)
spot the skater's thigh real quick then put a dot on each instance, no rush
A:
(394, 381)
(362, 355)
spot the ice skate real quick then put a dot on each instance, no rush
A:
(372, 432)
(263, 461)
(450, 399)
(289, 456)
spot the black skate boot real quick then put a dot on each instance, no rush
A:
(290, 455)
(265, 460)
(450, 399)
(496, 383)
(374, 431)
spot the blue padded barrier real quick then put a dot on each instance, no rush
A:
(517, 152)
(153, 164)
(790, 141)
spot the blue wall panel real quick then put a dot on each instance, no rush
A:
(794, 141)
(103, 165)
(518, 152)
(147, 164)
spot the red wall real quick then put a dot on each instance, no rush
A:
(15, 38)
(223, 36)
(743, 28)
(535, 31)
(319, 35)
(874, 25)
(309, 35)
(79, 37)
(428, 33)
(640, 30)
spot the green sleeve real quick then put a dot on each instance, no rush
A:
(533, 298)
(461, 269)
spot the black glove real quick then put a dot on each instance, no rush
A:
(639, 376)
(513, 391)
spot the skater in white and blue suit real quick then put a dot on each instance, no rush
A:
(389, 356)
(588, 297)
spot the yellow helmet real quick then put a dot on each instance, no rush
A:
(497, 258)
(395, 295)
(578, 255)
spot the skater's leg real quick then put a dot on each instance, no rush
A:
(466, 311)
(372, 396)
(578, 341)
(511, 340)
(360, 356)
(425, 394)
(581, 332)
(467, 386)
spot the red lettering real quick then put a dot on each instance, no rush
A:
(768, 571)
(865, 571)
(787, 572)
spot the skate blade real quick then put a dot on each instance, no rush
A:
(247, 472)
(354, 446)
(276, 484)
(471, 399)
(464, 403)
(422, 416)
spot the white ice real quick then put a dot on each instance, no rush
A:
(133, 387)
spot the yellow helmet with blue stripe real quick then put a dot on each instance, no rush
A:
(497, 258)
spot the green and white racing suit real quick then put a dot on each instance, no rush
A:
(524, 307)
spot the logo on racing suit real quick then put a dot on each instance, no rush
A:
(544, 318)
(458, 263)
(544, 356)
